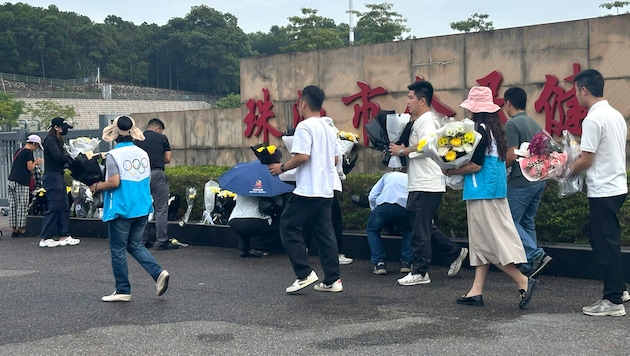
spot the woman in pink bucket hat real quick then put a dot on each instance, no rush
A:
(492, 235)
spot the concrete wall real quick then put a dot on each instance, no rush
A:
(452, 63)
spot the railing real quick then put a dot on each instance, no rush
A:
(115, 96)
(47, 81)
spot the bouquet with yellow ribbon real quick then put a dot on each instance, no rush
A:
(267, 154)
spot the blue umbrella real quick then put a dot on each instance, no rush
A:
(253, 179)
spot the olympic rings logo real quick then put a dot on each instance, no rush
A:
(136, 166)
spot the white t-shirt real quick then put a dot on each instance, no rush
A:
(316, 177)
(247, 208)
(424, 174)
(604, 133)
(340, 175)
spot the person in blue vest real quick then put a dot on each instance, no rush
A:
(492, 234)
(126, 205)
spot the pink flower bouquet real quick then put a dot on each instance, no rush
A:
(543, 158)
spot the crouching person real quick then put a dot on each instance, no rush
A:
(127, 204)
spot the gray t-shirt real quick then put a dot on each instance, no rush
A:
(520, 128)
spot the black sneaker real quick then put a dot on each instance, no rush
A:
(258, 253)
(166, 246)
(15, 234)
(406, 267)
(539, 265)
(379, 268)
(148, 244)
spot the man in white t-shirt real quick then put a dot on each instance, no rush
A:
(426, 187)
(603, 157)
(315, 156)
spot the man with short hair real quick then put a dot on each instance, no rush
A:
(315, 156)
(523, 195)
(426, 185)
(156, 145)
(603, 157)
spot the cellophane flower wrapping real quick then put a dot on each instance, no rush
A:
(452, 146)
(570, 183)
(395, 125)
(267, 154)
(83, 145)
(545, 159)
(347, 141)
(191, 194)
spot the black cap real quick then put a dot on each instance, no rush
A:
(61, 122)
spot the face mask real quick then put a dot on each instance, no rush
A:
(64, 131)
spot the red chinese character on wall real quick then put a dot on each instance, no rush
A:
(297, 117)
(493, 81)
(257, 118)
(436, 104)
(366, 110)
(554, 98)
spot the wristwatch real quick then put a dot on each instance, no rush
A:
(282, 167)
(401, 151)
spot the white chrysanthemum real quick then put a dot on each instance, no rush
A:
(467, 147)
(442, 151)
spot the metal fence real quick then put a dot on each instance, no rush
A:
(10, 142)
(47, 81)
(116, 96)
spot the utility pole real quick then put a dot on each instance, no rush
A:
(351, 23)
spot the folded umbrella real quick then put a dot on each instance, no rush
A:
(253, 179)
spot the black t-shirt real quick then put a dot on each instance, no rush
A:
(55, 159)
(19, 171)
(155, 144)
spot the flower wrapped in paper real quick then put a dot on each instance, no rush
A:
(395, 125)
(542, 158)
(86, 166)
(570, 183)
(452, 146)
(267, 154)
(346, 141)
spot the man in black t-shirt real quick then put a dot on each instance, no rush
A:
(159, 150)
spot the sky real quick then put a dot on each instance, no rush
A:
(424, 18)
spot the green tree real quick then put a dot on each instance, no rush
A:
(312, 32)
(616, 4)
(230, 101)
(268, 44)
(46, 110)
(379, 24)
(477, 22)
(10, 111)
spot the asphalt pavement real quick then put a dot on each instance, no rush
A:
(221, 304)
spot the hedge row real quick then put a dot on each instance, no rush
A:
(559, 220)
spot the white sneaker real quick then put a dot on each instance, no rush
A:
(302, 283)
(604, 307)
(48, 243)
(413, 279)
(116, 297)
(625, 296)
(343, 260)
(335, 287)
(457, 264)
(69, 241)
(161, 284)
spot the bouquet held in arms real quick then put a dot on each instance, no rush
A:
(542, 158)
(347, 140)
(395, 125)
(570, 183)
(86, 166)
(267, 154)
(451, 146)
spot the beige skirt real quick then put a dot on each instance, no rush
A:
(491, 233)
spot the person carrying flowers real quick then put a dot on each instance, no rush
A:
(492, 235)
(426, 187)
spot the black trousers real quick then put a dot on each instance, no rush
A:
(421, 209)
(337, 224)
(254, 233)
(605, 237)
(297, 212)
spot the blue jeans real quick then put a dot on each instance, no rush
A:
(386, 215)
(125, 235)
(524, 203)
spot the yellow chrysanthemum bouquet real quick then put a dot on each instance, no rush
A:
(267, 154)
(346, 141)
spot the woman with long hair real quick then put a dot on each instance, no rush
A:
(57, 213)
(492, 235)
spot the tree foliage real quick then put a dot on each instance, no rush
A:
(10, 110)
(615, 4)
(312, 32)
(44, 111)
(229, 101)
(477, 22)
(379, 24)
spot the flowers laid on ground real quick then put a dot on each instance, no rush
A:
(543, 158)
(267, 154)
